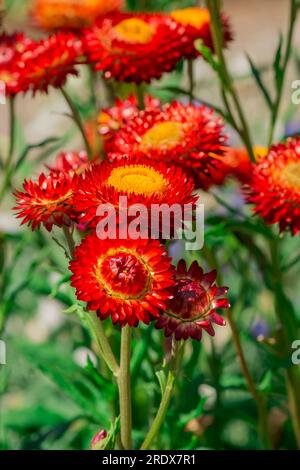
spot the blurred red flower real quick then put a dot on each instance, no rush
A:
(195, 24)
(58, 14)
(183, 135)
(133, 48)
(274, 188)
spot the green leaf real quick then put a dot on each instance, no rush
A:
(76, 308)
(258, 78)
(195, 413)
(278, 71)
(76, 382)
(266, 382)
(233, 382)
(34, 146)
(207, 54)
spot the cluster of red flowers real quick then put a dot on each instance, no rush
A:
(159, 155)
(127, 47)
(133, 280)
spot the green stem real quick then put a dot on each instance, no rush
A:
(96, 326)
(92, 83)
(69, 239)
(165, 400)
(140, 96)
(287, 55)
(190, 67)
(288, 328)
(77, 119)
(227, 84)
(125, 389)
(259, 399)
(7, 164)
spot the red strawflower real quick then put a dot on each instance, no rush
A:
(11, 49)
(125, 279)
(49, 201)
(110, 120)
(70, 162)
(193, 307)
(133, 48)
(49, 62)
(195, 24)
(274, 188)
(11, 79)
(184, 135)
(12, 45)
(58, 14)
(142, 181)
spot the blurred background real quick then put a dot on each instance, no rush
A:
(50, 382)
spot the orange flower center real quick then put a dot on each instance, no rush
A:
(137, 179)
(134, 31)
(193, 16)
(162, 135)
(123, 274)
(291, 174)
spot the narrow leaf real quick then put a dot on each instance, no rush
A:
(258, 78)
(278, 71)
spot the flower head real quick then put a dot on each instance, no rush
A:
(49, 62)
(98, 441)
(133, 48)
(70, 163)
(183, 135)
(193, 307)
(58, 14)
(274, 188)
(195, 24)
(110, 120)
(47, 201)
(12, 47)
(125, 279)
(140, 180)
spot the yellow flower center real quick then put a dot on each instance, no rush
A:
(193, 16)
(138, 179)
(134, 31)
(6, 77)
(260, 151)
(291, 173)
(162, 135)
